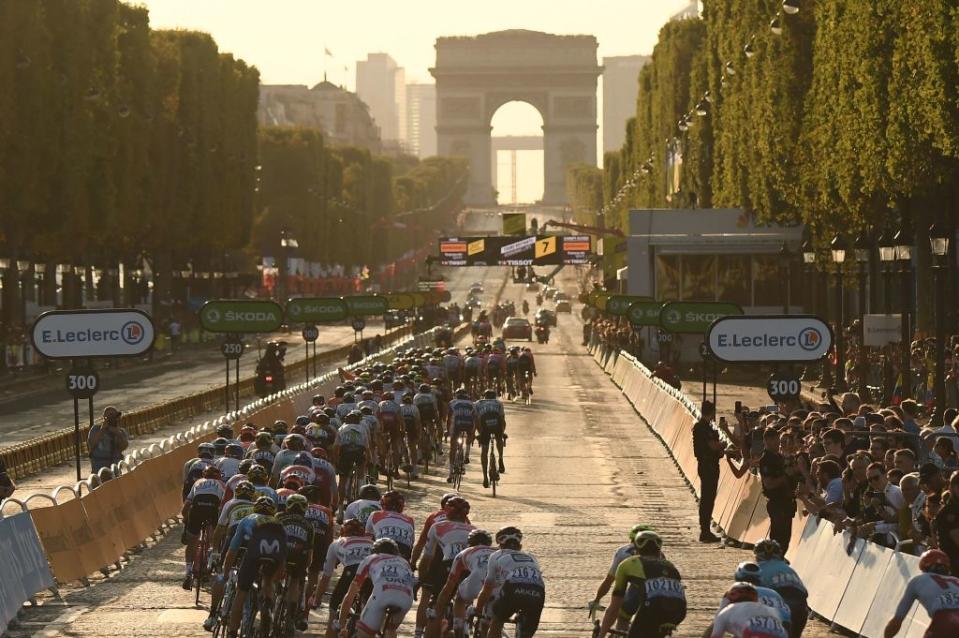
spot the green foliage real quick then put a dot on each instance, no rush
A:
(584, 190)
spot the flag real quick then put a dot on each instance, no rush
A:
(327, 52)
(897, 392)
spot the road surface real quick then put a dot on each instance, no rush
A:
(581, 469)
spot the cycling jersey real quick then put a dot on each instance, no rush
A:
(427, 405)
(394, 525)
(266, 490)
(228, 467)
(306, 474)
(777, 574)
(348, 551)
(648, 583)
(389, 415)
(518, 587)
(282, 461)
(281, 495)
(490, 414)
(361, 509)
(462, 414)
(371, 423)
(265, 538)
(353, 435)
(526, 363)
(621, 554)
(207, 487)
(450, 537)
(392, 580)
(495, 365)
(411, 420)
(770, 598)
(369, 403)
(264, 457)
(234, 511)
(245, 528)
(299, 542)
(472, 366)
(344, 408)
(748, 620)
(201, 464)
(934, 592)
(469, 569)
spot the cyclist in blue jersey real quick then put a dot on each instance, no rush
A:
(461, 418)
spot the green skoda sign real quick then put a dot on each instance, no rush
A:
(241, 315)
(644, 313)
(366, 306)
(694, 318)
(316, 310)
(617, 305)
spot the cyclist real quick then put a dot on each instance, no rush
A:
(324, 475)
(219, 447)
(290, 486)
(226, 432)
(512, 372)
(746, 617)
(263, 451)
(293, 445)
(352, 451)
(201, 507)
(491, 419)
(347, 406)
(390, 427)
(527, 368)
(234, 511)
(936, 591)
(444, 540)
(513, 585)
(775, 573)
(368, 400)
(204, 457)
(413, 426)
(229, 465)
(748, 572)
(472, 370)
(299, 553)
(392, 582)
(647, 588)
(239, 477)
(425, 400)
(247, 436)
(496, 370)
(264, 538)
(259, 477)
(622, 553)
(321, 433)
(320, 516)
(390, 522)
(460, 420)
(435, 517)
(302, 468)
(465, 580)
(367, 503)
(453, 365)
(349, 550)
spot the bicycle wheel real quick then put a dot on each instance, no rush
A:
(199, 563)
(492, 469)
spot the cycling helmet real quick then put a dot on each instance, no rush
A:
(386, 546)
(366, 410)
(393, 501)
(264, 505)
(244, 490)
(212, 472)
(298, 429)
(509, 534)
(446, 499)
(377, 385)
(303, 458)
(258, 475)
(352, 527)
(339, 391)
(234, 451)
(319, 453)
(297, 504)
(330, 412)
(205, 450)
(303, 420)
(748, 572)
(636, 529)
(461, 393)
(645, 538)
(225, 431)
(489, 394)
(407, 398)
(295, 442)
(245, 466)
(322, 418)
(280, 427)
(311, 492)
(479, 537)
(318, 399)
(219, 445)
(354, 416)
(248, 433)
(742, 593)
(349, 387)
(370, 492)
(767, 549)
(935, 561)
(424, 388)
(457, 508)
(264, 438)
(293, 482)
(367, 395)
(349, 398)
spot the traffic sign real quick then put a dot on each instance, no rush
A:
(783, 387)
(366, 305)
(232, 348)
(643, 313)
(618, 305)
(691, 317)
(359, 324)
(84, 334)
(82, 383)
(316, 309)
(664, 337)
(704, 350)
(311, 333)
(241, 315)
(770, 339)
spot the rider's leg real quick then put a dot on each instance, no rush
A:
(236, 610)
(500, 441)
(484, 461)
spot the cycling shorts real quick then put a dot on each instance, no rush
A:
(436, 577)
(342, 586)
(489, 429)
(412, 431)
(520, 598)
(795, 599)
(350, 457)
(471, 372)
(320, 546)
(297, 561)
(470, 588)
(657, 612)
(390, 423)
(427, 412)
(374, 611)
(255, 560)
(204, 510)
(945, 624)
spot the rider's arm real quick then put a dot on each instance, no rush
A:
(612, 612)
(347, 605)
(902, 610)
(603, 588)
(484, 596)
(421, 541)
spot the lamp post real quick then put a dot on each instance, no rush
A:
(785, 256)
(939, 242)
(903, 241)
(809, 268)
(887, 255)
(837, 248)
(287, 243)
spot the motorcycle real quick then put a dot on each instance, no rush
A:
(525, 307)
(542, 334)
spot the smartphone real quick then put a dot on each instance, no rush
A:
(739, 407)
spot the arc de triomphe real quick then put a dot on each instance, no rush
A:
(555, 74)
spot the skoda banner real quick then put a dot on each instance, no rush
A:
(400, 301)
(769, 339)
(694, 318)
(315, 310)
(246, 316)
(643, 313)
(366, 305)
(617, 305)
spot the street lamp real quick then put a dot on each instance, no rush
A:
(838, 249)
(861, 249)
(939, 243)
(903, 241)
(887, 255)
(288, 243)
(785, 262)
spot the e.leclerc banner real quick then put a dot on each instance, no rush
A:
(316, 310)
(245, 316)
(694, 317)
(364, 306)
(644, 313)
(85, 334)
(769, 339)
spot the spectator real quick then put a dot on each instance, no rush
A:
(834, 443)
(856, 485)
(946, 450)
(7, 486)
(377, 342)
(910, 410)
(909, 531)
(107, 442)
(356, 354)
(827, 502)
(905, 460)
(778, 488)
(945, 525)
(175, 329)
(708, 449)
(881, 505)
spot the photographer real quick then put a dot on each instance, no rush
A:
(881, 504)
(107, 442)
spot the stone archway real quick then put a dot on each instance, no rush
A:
(555, 74)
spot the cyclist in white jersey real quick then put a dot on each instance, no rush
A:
(465, 580)
(513, 585)
(936, 591)
(349, 550)
(746, 617)
(201, 508)
(367, 503)
(392, 580)
(390, 522)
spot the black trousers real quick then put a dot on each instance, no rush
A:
(709, 483)
(781, 514)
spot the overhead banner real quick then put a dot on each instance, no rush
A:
(514, 223)
(618, 305)
(85, 334)
(316, 309)
(769, 339)
(694, 318)
(245, 316)
(532, 250)
(643, 313)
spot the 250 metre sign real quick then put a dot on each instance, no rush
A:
(85, 334)
(769, 339)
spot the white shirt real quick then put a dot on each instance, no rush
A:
(754, 620)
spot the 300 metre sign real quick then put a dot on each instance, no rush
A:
(769, 339)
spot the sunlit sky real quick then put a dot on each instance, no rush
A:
(286, 39)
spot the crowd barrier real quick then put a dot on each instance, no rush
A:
(47, 450)
(25, 570)
(855, 585)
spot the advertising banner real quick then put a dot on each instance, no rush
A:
(514, 250)
(316, 309)
(84, 334)
(400, 301)
(769, 339)
(694, 317)
(618, 305)
(881, 330)
(363, 306)
(644, 313)
(246, 316)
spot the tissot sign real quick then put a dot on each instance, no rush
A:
(83, 334)
(765, 338)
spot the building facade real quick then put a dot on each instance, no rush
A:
(620, 87)
(421, 119)
(382, 84)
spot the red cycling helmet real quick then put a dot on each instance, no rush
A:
(293, 482)
(742, 593)
(457, 508)
(934, 560)
(393, 501)
(319, 453)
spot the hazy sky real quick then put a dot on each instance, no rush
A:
(286, 39)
